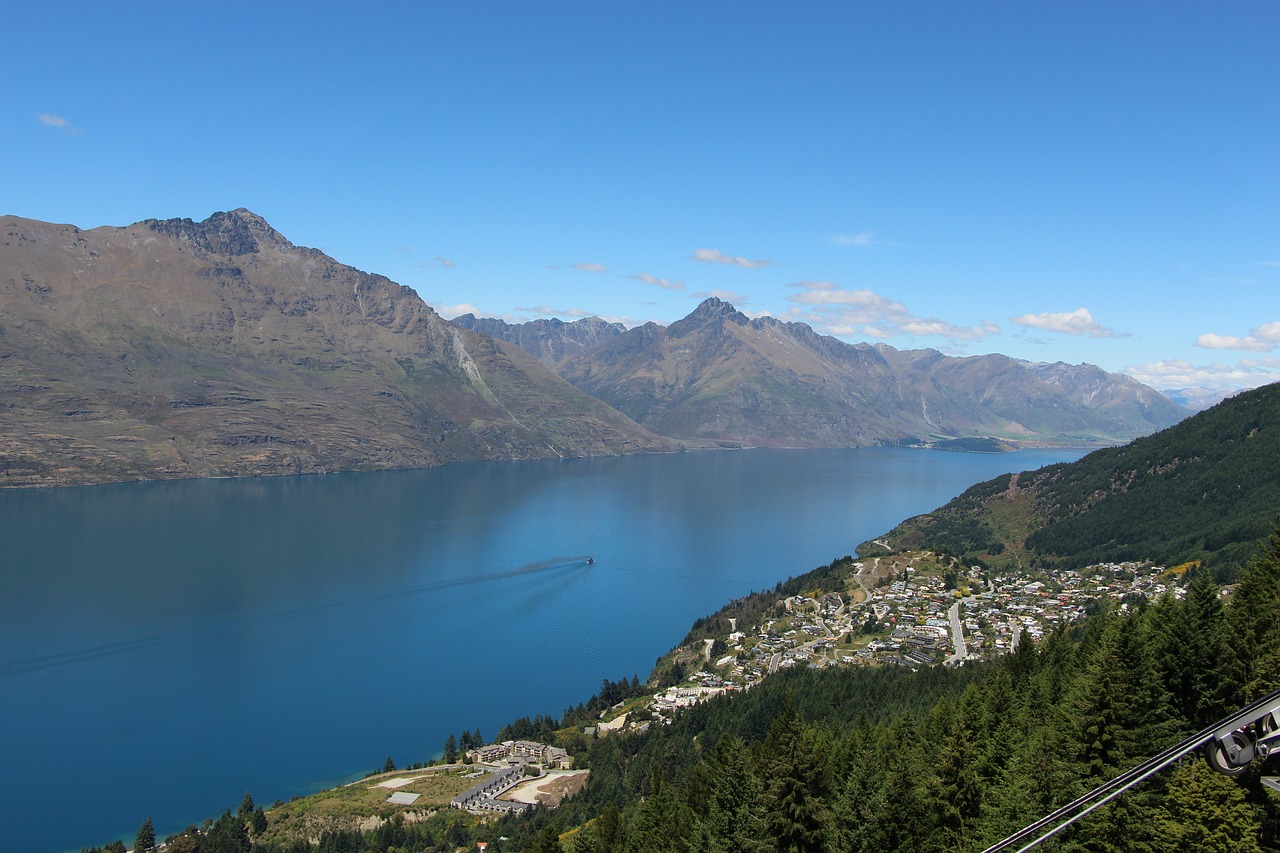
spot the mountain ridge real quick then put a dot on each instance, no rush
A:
(174, 348)
(717, 375)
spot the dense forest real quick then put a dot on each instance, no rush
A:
(1204, 489)
(885, 759)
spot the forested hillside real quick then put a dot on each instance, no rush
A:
(1205, 489)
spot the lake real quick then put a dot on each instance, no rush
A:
(167, 646)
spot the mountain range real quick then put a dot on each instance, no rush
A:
(719, 376)
(174, 348)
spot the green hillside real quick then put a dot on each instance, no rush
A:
(1205, 489)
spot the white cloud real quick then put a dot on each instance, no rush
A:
(726, 295)
(596, 268)
(50, 120)
(1175, 373)
(1269, 332)
(715, 256)
(1260, 339)
(861, 240)
(658, 282)
(1077, 322)
(1212, 341)
(451, 311)
(865, 313)
(445, 262)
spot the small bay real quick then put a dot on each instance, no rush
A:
(168, 645)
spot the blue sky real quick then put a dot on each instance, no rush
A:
(1083, 181)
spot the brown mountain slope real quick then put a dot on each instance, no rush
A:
(717, 375)
(176, 349)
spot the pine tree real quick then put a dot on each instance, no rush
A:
(1253, 627)
(664, 823)
(546, 841)
(796, 816)
(450, 749)
(1098, 724)
(1205, 811)
(955, 788)
(733, 814)
(146, 837)
(227, 835)
(1192, 641)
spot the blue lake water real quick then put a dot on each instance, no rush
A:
(165, 647)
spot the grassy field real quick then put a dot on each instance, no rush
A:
(364, 803)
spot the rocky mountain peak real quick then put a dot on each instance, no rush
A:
(225, 233)
(710, 310)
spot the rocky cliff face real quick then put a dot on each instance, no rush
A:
(177, 348)
(717, 375)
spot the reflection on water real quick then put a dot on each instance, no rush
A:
(268, 634)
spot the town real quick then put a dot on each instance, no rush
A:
(910, 609)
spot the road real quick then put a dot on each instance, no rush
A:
(957, 636)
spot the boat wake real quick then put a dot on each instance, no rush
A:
(553, 566)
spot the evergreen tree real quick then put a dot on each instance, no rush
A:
(795, 813)
(227, 835)
(1099, 747)
(388, 766)
(1194, 652)
(146, 837)
(733, 813)
(955, 787)
(1205, 811)
(606, 831)
(1253, 627)
(246, 806)
(664, 823)
(450, 749)
(546, 841)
